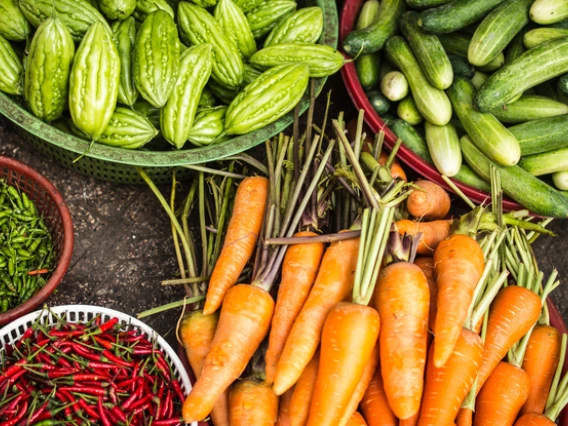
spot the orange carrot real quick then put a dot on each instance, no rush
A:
(243, 323)
(458, 265)
(347, 326)
(299, 271)
(534, 419)
(396, 169)
(284, 416)
(357, 420)
(303, 392)
(502, 396)
(240, 239)
(253, 402)
(375, 406)
(513, 312)
(196, 333)
(426, 264)
(334, 283)
(465, 417)
(541, 359)
(446, 387)
(413, 421)
(432, 233)
(403, 301)
(430, 202)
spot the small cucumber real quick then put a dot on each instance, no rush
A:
(497, 30)
(378, 101)
(517, 183)
(487, 132)
(461, 67)
(368, 66)
(394, 86)
(373, 38)
(535, 66)
(432, 103)
(560, 180)
(543, 135)
(528, 108)
(458, 44)
(408, 111)
(478, 79)
(516, 48)
(455, 15)
(562, 84)
(538, 36)
(495, 64)
(428, 51)
(369, 14)
(444, 145)
(425, 4)
(546, 162)
(546, 12)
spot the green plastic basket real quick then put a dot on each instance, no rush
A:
(119, 165)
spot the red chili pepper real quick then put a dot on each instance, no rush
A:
(13, 369)
(163, 408)
(139, 409)
(101, 366)
(64, 362)
(15, 377)
(103, 413)
(9, 349)
(98, 391)
(13, 404)
(65, 334)
(130, 400)
(103, 328)
(72, 400)
(168, 422)
(125, 383)
(141, 402)
(177, 389)
(84, 352)
(142, 351)
(118, 413)
(107, 344)
(18, 417)
(113, 358)
(170, 406)
(42, 341)
(89, 409)
(163, 366)
(25, 335)
(61, 372)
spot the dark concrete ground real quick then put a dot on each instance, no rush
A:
(123, 246)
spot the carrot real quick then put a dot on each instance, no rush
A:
(413, 421)
(465, 417)
(303, 392)
(403, 300)
(375, 406)
(447, 386)
(357, 420)
(299, 271)
(426, 264)
(513, 313)
(333, 284)
(196, 332)
(502, 396)
(432, 233)
(240, 239)
(534, 419)
(458, 265)
(253, 402)
(284, 416)
(541, 359)
(243, 323)
(347, 326)
(396, 169)
(430, 202)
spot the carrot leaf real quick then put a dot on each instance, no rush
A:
(557, 400)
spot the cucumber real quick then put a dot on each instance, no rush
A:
(455, 15)
(561, 24)
(486, 131)
(543, 135)
(546, 12)
(394, 86)
(539, 35)
(458, 44)
(378, 101)
(428, 51)
(528, 108)
(546, 162)
(495, 64)
(408, 111)
(560, 180)
(497, 30)
(542, 63)
(413, 140)
(368, 66)
(461, 67)
(373, 38)
(517, 183)
(425, 4)
(386, 66)
(562, 84)
(444, 146)
(432, 103)
(478, 79)
(516, 48)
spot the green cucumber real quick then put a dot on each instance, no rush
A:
(455, 15)
(373, 38)
(461, 67)
(497, 30)
(369, 14)
(560, 180)
(516, 48)
(543, 135)
(528, 108)
(368, 66)
(458, 44)
(425, 4)
(386, 66)
(394, 86)
(378, 101)
(562, 84)
(444, 146)
(546, 163)
(487, 132)
(546, 12)
(561, 24)
(432, 103)
(535, 66)
(428, 51)
(495, 64)
(538, 36)
(478, 79)
(408, 111)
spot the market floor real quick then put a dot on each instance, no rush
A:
(123, 246)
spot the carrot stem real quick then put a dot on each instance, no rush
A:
(393, 153)
(209, 170)
(222, 219)
(552, 407)
(458, 191)
(175, 235)
(532, 235)
(191, 280)
(491, 292)
(246, 158)
(168, 306)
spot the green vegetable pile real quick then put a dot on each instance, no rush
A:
(126, 72)
(26, 250)
(474, 83)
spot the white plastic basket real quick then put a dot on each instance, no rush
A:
(83, 313)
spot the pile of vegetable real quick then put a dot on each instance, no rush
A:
(27, 257)
(127, 72)
(341, 294)
(72, 373)
(483, 81)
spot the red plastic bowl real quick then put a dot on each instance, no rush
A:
(349, 15)
(57, 218)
